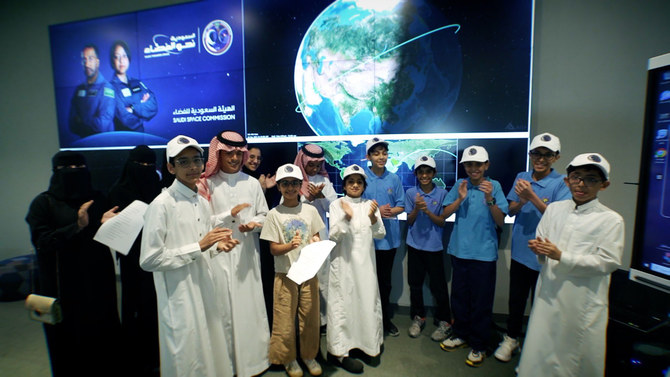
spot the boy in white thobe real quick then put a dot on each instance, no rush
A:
(579, 244)
(177, 245)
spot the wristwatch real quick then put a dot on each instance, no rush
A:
(491, 202)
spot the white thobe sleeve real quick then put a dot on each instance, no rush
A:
(378, 229)
(154, 254)
(339, 226)
(605, 260)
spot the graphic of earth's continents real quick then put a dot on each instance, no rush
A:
(378, 67)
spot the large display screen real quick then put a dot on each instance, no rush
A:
(387, 67)
(651, 243)
(305, 69)
(430, 76)
(145, 77)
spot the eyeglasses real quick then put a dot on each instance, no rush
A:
(294, 183)
(537, 155)
(186, 162)
(588, 181)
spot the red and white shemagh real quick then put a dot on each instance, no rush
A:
(227, 141)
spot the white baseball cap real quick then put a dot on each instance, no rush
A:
(353, 169)
(288, 171)
(546, 140)
(178, 144)
(474, 153)
(372, 142)
(424, 160)
(592, 159)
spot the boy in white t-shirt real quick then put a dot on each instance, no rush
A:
(289, 227)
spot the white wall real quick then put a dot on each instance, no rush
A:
(589, 83)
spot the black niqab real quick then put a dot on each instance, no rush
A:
(137, 182)
(70, 181)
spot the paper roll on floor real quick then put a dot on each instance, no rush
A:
(43, 308)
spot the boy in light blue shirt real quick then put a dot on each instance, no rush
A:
(386, 188)
(532, 192)
(425, 226)
(480, 207)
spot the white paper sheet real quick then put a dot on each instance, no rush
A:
(310, 261)
(120, 232)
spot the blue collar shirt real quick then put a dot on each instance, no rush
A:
(474, 235)
(550, 189)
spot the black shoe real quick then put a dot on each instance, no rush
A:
(352, 365)
(391, 329)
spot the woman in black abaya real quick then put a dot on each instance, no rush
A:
(76, 269)
(139, 317)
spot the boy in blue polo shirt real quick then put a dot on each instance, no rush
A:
(386, 188)
(531, 194)
(480, 206)
(424, 250)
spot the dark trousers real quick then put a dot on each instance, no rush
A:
(267, 278)
(522, 281)
(384, 260)
(420, 263)
(472, 292)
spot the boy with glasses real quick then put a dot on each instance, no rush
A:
(579, 243)
(531, 193)
(178, 244)
(289, 227)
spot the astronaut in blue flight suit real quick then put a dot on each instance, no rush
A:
(135, 103)
(92, 106)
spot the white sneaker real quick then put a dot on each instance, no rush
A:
(417, 326)
(313, 367)
(475, 358)
(293, 369)
(442, 332)
(506, 349)
(453, 343)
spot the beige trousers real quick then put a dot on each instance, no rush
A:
(291, 299)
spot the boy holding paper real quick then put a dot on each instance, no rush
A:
(289, 227)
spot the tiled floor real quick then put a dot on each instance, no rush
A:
(23, 352)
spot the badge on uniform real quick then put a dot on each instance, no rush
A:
(126, 92)
(81, 93)
(109, 92)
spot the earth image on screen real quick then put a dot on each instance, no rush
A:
(378, 67)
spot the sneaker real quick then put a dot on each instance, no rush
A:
(352, 365)
(417, 325)
(293, 369)
(506, 349)
(391, 329)
(453, 343)
(313, 367)
(442, 332)
(475, 358)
